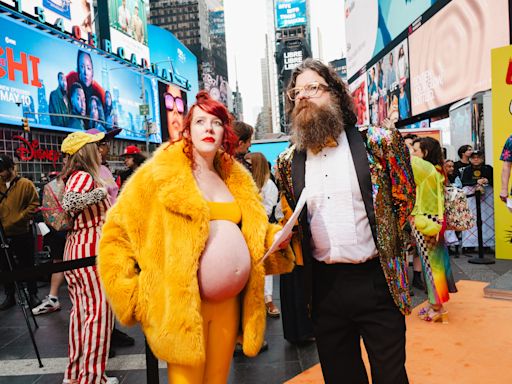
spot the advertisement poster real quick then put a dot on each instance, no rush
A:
(389, 91)
(502, 147)
(72, 13)
(359, 93)
(444, 66)
(218, 87)
(170, 53)
(424, 132)
(290, 13)
(129, 27)
(81, 84)
(370, 25)
(173, 108)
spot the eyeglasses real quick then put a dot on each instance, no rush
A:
(171, 101)
(308, 90)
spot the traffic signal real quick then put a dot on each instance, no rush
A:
(26, 127)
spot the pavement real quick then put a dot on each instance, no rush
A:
(282, 361)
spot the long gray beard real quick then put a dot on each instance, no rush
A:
(313, 126)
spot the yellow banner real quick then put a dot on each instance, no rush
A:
(502, 147)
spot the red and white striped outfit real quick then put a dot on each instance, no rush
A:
(91, 319)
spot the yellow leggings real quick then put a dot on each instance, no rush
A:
(220, 324)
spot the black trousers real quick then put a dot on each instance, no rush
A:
(297, 326)
(350, 302)
(23, 247)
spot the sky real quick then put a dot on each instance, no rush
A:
(245, 23)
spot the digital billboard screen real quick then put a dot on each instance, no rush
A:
(167, 51)
(129, 27)
(359, 93)
(290, 13)
(450, 54)
(173, 108)
(80, 83)
(371, 25)
(72, 13)
(389, 88)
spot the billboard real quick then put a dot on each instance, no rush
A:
(167, 51)
(290, 13)
(173, 108)
(216, 21)
(218, 88)
(450, 54)
(502, 148)
(72, 13)
(340, 66)
(80, 84)
(290, 55)
(359, 93)
(370, 25)
(389, 91)
(129, 27)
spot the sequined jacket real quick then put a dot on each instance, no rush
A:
(386, 181)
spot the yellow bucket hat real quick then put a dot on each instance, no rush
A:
(76, 140)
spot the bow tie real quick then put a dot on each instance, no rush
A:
(330, 143)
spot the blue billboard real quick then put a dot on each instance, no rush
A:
(290, 13)
(67, 87)
(170, 53)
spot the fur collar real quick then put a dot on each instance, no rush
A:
(178, 189)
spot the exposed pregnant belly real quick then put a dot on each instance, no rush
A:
(225, 263)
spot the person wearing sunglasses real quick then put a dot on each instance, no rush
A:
(175, 105)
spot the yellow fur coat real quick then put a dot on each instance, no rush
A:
(150, 249)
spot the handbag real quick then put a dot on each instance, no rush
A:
(458, 216)
(53, 214)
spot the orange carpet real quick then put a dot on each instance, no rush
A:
(474, 348)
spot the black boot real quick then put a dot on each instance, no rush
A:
(417, 281)
(8, 302)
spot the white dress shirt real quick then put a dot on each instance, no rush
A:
(340, 230)
(270, 195)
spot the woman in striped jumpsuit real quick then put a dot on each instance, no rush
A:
(91, 319)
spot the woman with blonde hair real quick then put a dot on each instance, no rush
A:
(91, 319)
(268, 190)
(182, 247)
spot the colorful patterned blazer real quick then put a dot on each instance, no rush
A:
(385, 177)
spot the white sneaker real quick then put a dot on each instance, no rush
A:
(48, 305)
(112, 380)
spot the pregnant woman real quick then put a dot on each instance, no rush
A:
(181, 248)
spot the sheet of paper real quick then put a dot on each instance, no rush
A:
(288, 227)
(509, 203)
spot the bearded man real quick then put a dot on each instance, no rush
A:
(359, 192)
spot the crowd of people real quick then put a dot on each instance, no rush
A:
(181, 250)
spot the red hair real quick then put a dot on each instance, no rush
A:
(215, 108)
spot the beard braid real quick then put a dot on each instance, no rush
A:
(313, 126)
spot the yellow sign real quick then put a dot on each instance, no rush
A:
(502, 138)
